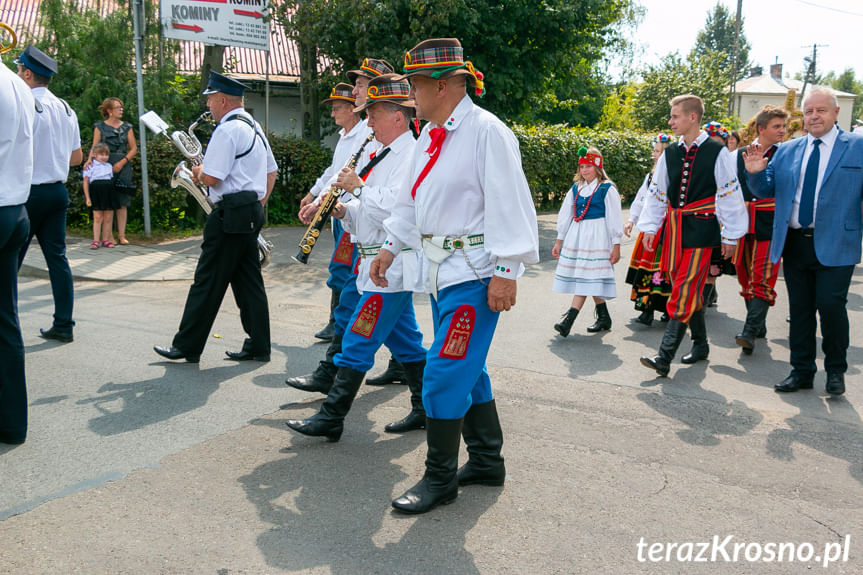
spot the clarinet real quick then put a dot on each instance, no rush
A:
(328, 202)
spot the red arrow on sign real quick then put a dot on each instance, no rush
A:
(194, 28)
(247, 13)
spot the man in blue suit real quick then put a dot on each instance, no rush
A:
(818, 185)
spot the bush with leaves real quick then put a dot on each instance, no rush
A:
(550, 159)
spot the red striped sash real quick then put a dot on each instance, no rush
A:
(672, 248)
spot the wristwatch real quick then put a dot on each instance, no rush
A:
(358, 191)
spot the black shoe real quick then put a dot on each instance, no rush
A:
(565, 324)
(835, 384)
(439, 485)
(10, 439)
(244, 355)
(646, 318)
(413, 421)
(395, 373)
(53, 333)
(658, 364)
(793, 383)
(174, 353)
(320, 380)
(327, 333)
(603, 319)
(316, 427)
(484, 440)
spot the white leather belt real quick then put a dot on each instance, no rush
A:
(438, 248)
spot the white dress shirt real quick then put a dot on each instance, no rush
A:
(613, 215)
(824, 151)
(17, 115)
(638, 203)
(347, 146)
(730, 207)
(365, 216)
(55, 137)
(249, 173)
(477, 186)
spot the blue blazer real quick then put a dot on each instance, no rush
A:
(838, 215)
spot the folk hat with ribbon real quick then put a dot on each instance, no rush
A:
(341, 91)
(589, 158)
(370, 68)
(663, 138)
(441, 58)
(221, 83)
(37, 61)
(388, 88)
(715, 128)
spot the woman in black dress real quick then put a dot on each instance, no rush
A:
(120, 138)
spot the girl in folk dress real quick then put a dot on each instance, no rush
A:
(650, 288)
(589, 227)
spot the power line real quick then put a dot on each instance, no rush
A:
(830, 8)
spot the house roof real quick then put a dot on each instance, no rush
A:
(767, 84)
(284, 61)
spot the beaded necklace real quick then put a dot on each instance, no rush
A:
(575, 215)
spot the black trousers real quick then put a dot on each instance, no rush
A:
(14, 230)
(815, 287)
(226, 259)
(47, 210)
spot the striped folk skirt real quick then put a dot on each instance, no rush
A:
(584, 267)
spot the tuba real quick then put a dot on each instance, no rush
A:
(13, 40)
(182, 177)
(328, 202)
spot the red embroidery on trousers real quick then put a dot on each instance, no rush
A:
(368, 316)
(461, 327)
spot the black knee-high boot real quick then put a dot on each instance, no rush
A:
(484, 439)
(416, 419)
(565, 324)
(329, 330)
(670, 342)
(755, 319)
(395, 373)
(439, 484)
(329, 421)
(322, 378)
(698, 332)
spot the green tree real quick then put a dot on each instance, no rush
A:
(702, 76)
(717, 37)
(541, 59)
(618, 112)
(848, 82)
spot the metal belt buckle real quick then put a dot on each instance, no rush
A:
(457, 243)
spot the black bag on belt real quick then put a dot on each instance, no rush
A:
(242, 213)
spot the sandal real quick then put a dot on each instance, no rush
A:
(107, 244)
(94, 246)
(123, 241)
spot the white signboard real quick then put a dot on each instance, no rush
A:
(224, 22)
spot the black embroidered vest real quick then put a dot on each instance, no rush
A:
(698, 230)
(763, 219)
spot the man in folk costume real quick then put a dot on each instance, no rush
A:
(343, 264)
(352, 133)
(695, 190)
(469, 207)
(383, 314)
(755, 272)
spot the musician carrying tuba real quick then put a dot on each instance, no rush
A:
(240, 171)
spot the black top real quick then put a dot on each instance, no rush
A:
(117, 140)
(691, 178)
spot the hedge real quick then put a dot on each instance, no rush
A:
(549, 158)
(300, 164)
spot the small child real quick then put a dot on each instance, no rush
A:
(589, 227)
(99, 192)
(650, 289)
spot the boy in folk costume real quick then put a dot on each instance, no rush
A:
(695, 190)
(756, 274)
(469, 207)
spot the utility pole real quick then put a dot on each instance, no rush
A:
(809, 78)
(138, 22)
(732, 89)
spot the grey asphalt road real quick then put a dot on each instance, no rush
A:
(138, 465)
